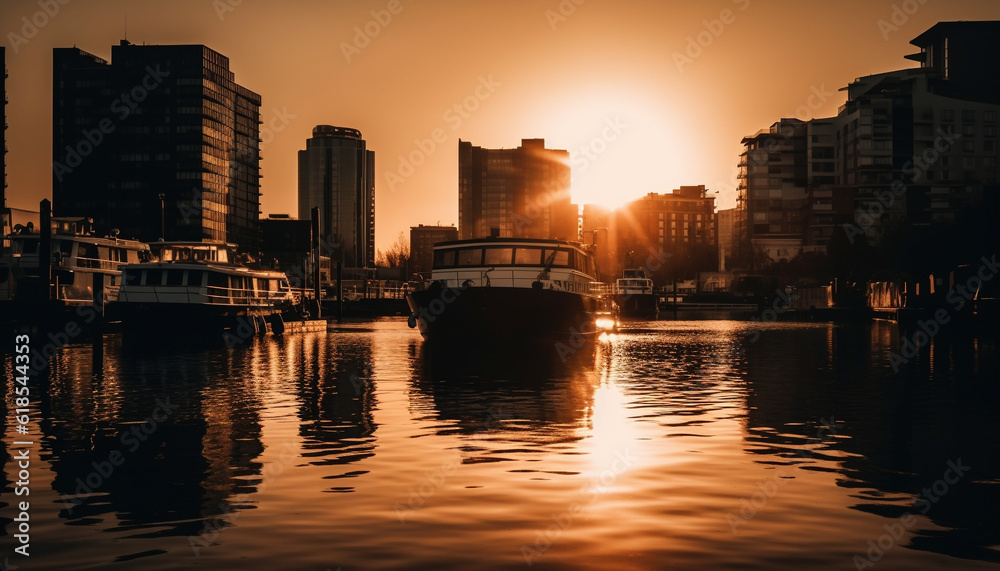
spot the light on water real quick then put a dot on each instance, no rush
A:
(669, 444)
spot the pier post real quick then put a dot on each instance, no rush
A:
(316, 260)
(45, 248)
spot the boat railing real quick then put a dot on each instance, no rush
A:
(517, 277)
(213, 295)
(93, 263)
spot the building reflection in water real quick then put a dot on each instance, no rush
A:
(336, 389)
(898, 418)
(159, 441)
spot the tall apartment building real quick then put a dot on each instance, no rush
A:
(911, 147)
(772, 189)
(3, 158)
(521, 193)
(337, 175)
(651, 227)
(422, 240)
(160, 142)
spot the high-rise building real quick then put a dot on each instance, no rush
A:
(520, 193)
(912, 147)
(160, 142)
(658, 224)
(422, 240)
(4, 214)
(337, 175)
(772, 189)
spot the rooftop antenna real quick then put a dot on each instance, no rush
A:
(126, 26)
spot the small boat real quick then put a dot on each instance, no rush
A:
(199, 288)
(634, 294)
(505, 289)
(85, 268)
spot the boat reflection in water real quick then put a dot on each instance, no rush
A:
(687, 444)
(544, 389)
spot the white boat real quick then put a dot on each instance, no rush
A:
(199, 288)
(80, 262)
(634, 294)
(505, 289)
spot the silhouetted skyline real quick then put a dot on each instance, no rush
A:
(684, 82)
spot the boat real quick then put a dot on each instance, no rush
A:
(634, 294)
(505, 289)
(85, 268)
(201, 288)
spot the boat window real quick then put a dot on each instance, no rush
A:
(444, 258)
(175, 277)
(499, 256)
(528, 256)
(262, 286)
(29, 246)
(561, 259)
(470, 257)
(154, 277)
(131, 277)
(218, 280)
(64, 247)
(194, 277)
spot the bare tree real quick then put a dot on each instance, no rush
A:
(398, 256)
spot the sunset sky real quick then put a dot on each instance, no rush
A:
(658, 93)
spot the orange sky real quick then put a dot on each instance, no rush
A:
(626, 81)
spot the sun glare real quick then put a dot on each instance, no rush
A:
(620, 146)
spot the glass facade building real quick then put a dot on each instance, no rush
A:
(161, 142)
(337, 175)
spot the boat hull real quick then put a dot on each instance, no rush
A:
(182, 321)
(502, 314)
(638, 306)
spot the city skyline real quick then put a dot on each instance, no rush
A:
(666, 93)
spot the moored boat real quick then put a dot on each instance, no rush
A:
(506, 289)
(199, 288)
(85, 269)
(634, 294)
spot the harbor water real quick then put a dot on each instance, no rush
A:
(710, 444)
